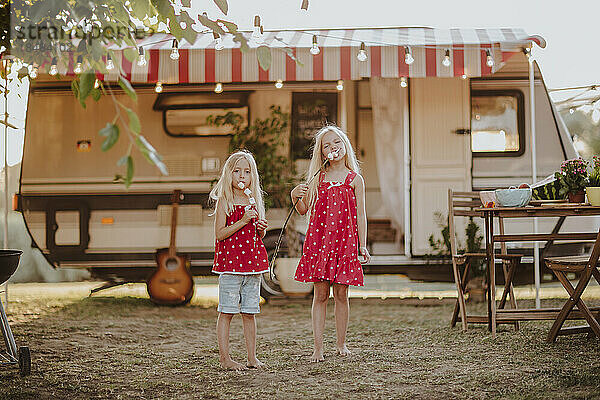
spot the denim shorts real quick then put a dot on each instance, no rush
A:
(239, 293)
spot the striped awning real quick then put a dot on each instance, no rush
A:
(385, 47)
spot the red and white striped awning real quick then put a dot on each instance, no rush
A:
(201, 63)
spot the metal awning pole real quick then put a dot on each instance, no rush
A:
(536, 247)
(406, 147)
(5, 241)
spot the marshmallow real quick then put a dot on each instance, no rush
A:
(241, 185)
(251, 200)
(247, 192)
(330, 156)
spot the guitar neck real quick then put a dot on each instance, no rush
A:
(174, 210)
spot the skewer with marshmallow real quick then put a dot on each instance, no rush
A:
(251, 199)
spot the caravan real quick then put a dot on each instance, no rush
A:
(427, 109)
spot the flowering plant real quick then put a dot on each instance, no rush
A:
(573, 176)
(594, 175)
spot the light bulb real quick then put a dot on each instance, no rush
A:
(314, 50)
(279, 84)
(158, 88)
(362, 53)
(33, 71)
(142, 58)
(464, 76)
(408, 58)
(571, 110)
(218, 87)
(77, 69)
(174, 50)
(109, 63)
(446, 61)
(256, 30)
(340, 85)
(96, 84)
(218, 41)
(403, 82)
(53, 67)
(489, 59)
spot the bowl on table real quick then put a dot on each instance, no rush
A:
(488, 198)
(513, 197)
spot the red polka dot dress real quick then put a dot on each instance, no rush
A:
(330, 250)
(243, 252)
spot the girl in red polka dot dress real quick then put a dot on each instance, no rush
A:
(240, 255)
(337, 231)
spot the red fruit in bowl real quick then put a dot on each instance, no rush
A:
(523, 186)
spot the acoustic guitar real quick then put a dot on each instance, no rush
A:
(171, 283)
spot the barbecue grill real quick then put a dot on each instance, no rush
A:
(9, 261)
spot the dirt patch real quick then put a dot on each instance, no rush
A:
(127, 348)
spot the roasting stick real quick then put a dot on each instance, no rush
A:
(330, 156)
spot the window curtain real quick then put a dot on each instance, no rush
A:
(388, 101)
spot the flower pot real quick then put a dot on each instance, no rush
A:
(593, 195)
(285, 268)
(477, 289)
(577, 197)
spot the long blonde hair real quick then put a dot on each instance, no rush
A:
(317, 161)
(223, 190)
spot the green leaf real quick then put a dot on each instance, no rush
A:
(223, 6)
(231, 27)
(188, 33)
(163, 7)
(75, 87)
(126, 86)
(241, 39)
(134, 121)
(129, 177)
(264, 57)
(141, 8)
(204, 20)
(122, 161)
(130, 54)
(86, 84)
(22, 73)
(111, 132)
(186, 3)
(96, 94)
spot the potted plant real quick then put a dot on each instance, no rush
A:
(593, 188)
(573, 177)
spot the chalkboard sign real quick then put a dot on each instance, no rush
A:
(310, 111)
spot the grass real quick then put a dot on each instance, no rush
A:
(127, 348)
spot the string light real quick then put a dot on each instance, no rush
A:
(53, 67)
(219, 87)
(279, 84)
(489, 58)
(403, 82)
(362, 53)
(109, 63)
(142, 58)
(77, 69)
(33, 71)
(464, 76)
(158, 88)
(528, 54)
(571, 110)
(96, 84)
(408, 58)
(218, 42)
(446, 61)
(340, 85)
(314, 50)
(257, 30)
(174, 50)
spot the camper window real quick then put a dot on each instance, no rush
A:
(497, 123)
(193, 122)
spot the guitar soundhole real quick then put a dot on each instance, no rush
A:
(171, 264)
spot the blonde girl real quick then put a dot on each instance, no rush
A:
(337, 231)
(240, 255)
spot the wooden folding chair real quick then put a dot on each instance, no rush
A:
(586, 267)
(463, 204)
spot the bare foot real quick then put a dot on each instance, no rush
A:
(343, 351)
(256, 363)
(233, 365)
(317, 356)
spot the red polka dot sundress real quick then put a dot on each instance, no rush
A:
(330, 250)
(243, 252)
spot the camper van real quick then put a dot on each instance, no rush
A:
(427, 110)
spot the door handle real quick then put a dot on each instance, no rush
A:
(462, 131)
